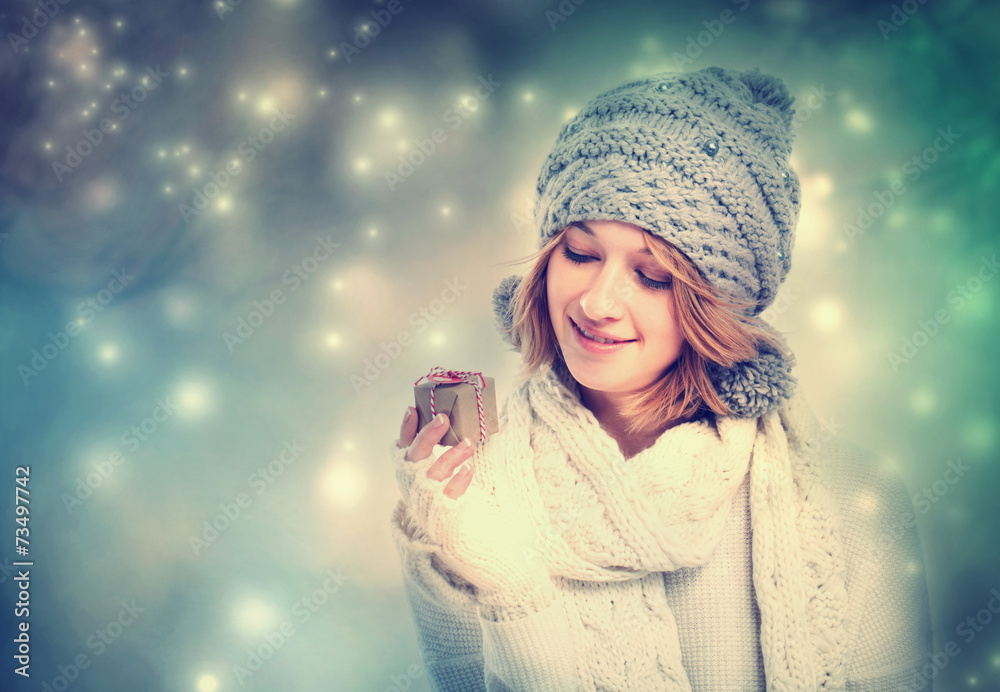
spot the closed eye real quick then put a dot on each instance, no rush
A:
(645, 280)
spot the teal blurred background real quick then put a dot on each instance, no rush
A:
(208, 429)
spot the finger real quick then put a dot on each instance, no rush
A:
(446, 464)
(408, 429)
(429, 436)
(460, 483)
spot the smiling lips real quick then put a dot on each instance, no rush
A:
(599, 339)
(597, 344)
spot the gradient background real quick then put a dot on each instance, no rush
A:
(850, 299)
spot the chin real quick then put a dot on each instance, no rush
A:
(595, 376)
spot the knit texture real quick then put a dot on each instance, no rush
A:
(648, 573)
(700, 159)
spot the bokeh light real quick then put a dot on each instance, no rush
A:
(231, 240)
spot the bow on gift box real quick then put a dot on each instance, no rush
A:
(438, 376)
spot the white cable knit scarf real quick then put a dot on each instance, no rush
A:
(611, 519)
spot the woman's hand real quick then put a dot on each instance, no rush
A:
(487, 535)
(423, 445)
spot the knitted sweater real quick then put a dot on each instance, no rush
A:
(598, 635)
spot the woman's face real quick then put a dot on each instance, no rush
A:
(603, 279)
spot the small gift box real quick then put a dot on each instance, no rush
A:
(467, 398)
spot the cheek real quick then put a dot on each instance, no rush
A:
(554, 286)
(663, 327)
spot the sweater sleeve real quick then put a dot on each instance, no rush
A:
(443, 610)
(889, 624)
(467, 645)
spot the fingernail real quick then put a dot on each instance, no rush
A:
(409, 412)
(439, 420)
(465, 443)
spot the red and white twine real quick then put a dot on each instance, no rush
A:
(439, 375)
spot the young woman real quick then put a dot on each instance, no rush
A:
(660, 509)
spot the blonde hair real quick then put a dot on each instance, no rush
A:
(713, 327)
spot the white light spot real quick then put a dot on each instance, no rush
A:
(207, 683)
(344, 485)
(388, 118)
(194, 398)
(266, 105)
(922, 401)
(822, 185)
(827, 315)
(859, 121)
(109, 354)
(252, 615)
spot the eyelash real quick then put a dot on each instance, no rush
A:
(650, 283)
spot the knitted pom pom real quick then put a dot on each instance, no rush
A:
(503, 307)
(768, 90)
(754, 387)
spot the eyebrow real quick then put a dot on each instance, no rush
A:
(586, 229)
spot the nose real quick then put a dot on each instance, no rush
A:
(607, 295)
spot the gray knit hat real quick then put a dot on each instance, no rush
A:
(700, 159)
